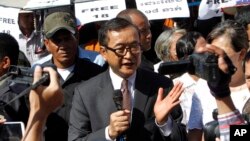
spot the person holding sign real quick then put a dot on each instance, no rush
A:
(30, 40)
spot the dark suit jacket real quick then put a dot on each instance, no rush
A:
(93, 103)
(146, 64)
(57, 122)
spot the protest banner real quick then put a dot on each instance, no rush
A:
(162, 9)
(8, 22)
(212, 8)
(40, 4)
(100, 10)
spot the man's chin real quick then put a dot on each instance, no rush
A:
(128, 71)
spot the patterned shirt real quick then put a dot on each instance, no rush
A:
(225, 120)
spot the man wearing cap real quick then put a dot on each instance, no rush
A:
(30, 41)
(61, 40)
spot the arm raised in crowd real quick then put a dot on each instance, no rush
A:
(227, 113)
(43, 100)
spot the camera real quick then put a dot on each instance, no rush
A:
(24, 76)
(21, 75)
(204, 65)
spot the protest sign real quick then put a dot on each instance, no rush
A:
(40, 4)
(162, 9)
(212, 8)
(101, 10)
(8, 22)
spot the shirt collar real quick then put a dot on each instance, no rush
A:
(117, 80)
(24, 37)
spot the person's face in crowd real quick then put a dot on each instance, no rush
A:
(145, 33)
(26, 23)
(126, 38)
(63, 46)
(172, 50)
(247, 74)
(224, 43)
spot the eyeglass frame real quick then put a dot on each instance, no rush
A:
(125, 50)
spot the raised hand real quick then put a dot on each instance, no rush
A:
(164, 105)
(46, 99)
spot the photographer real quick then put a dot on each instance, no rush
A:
(227, 113)
(43, 100)
(17, 110)
(190, 98)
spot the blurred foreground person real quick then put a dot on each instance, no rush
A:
(17, 110)
(43, 101)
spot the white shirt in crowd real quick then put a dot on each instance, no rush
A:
(29, 46)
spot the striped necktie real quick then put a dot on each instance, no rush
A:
(126, 102)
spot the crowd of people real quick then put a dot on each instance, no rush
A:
(117, 93)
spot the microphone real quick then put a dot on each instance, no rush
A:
(117, 97)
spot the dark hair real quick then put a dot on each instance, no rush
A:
(233, 30)
(9, 47)
(115, 24)
(246, 59)
(125, 14)
(243, 15)
(186, 44)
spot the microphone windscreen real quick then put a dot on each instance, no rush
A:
(117, 97)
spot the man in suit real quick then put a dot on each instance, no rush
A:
(144, 116)
(140, 20)
(61, 40)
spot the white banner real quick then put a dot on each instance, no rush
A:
(212, 8)
(162, 9)
(8, 21)
(40, 4)
(205, 11)
(101, 10)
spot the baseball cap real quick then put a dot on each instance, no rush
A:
(57, 21)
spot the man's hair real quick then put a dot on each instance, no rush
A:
(185, 46)
(243, 15)
(125, 14)
(233, 31)
(164, 41)
(115, 24)
(9, 47)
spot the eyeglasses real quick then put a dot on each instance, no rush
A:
(122, 49)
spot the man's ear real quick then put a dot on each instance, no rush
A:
(242, 54)
(46, 43)
(6, 62)
(103, 52)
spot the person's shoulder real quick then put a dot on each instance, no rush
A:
(93, 81)
(86, 64)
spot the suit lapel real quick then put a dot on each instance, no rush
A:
(107, 90)
(142, 90)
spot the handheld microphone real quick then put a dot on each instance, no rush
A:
(117, 97)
